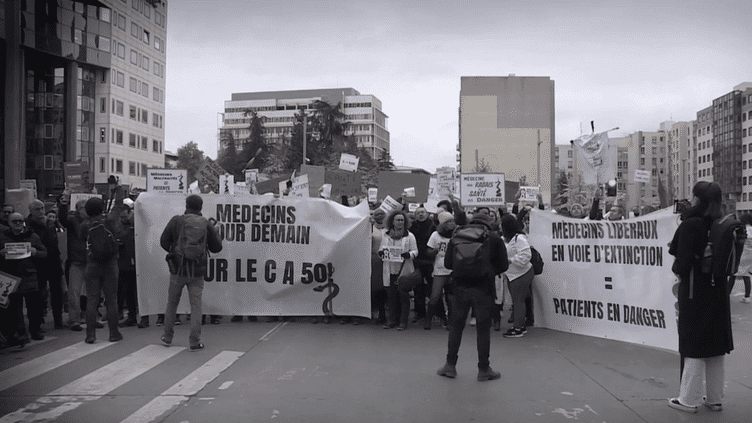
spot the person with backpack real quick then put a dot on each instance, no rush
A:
(101, 272)
(520, 273)
(475, 255)
(187, 238)
(704, 322)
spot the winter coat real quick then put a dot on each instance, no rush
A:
(127, 249)
(76, 244)
(745, 261)
(25, 268)
(48, 235)
(422, 231)
(704, 322)
(518, 251)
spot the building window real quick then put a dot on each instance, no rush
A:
(143, 169)
(119, 137)
(144, 116)
(135, 30)
(133, 112)
(131, 168)
(119, 108)
(145, 89)
(103, 105)
(146, 37)
(121, 22)
(102, 134)
(78, 37)
(118, 166)
(134, 85)
(158, 44)
(145, 63)
(155, 146)
(103, 43)
(134, 57)
(102, 165)
(132, 140)
(144, 143)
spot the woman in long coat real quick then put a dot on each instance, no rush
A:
(704, 312)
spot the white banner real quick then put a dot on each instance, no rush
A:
(280, 256)
(596, 157)
(607, 279)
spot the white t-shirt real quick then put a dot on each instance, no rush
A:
(438, 242)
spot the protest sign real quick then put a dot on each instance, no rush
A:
(410, 192)
(445, 181)
(30, 184)
(227, 184)
(8, 285)
(642, 176)
(280, 255)
(607, 279)
(482, 189)
(390, 204)
(251, 175)
(19, 198)
(76, 176)
(208, 174)
(373, 194)
(343, 183)
(411, 207)
(75, 197)
(167, 181)
(271, 185)
(17, 250)
(348, 162)
(315, 178)
(299, 186)
(394, 184)
(393, 254)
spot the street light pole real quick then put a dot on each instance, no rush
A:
(304, 136)
(539, 143)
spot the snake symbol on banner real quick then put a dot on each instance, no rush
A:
(180, 181)
(326, 306)
(498, 188)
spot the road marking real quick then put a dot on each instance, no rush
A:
(181, 391)
(92, 386)
(268, 335)
(225, 385)
(45, 363)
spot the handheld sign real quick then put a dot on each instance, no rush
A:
(8, 285)
(410, 192)
(642, 176)
(390, 204)
(482, 189)
(226, 184)
(251, 175)
(348, 162)
(373, 194)
(167, 181)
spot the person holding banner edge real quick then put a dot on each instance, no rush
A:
(704, 322)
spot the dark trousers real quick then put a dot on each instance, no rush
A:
(378, 303)
(50, 281)
(127, 297)
(398, 303)
(420, 292)
(101, 278)
(12, 317)
(480, 299)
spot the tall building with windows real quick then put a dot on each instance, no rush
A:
(681, 140)
(507, 123)
(745, 203)
(365, 120)
(704, 143)
(71, 72)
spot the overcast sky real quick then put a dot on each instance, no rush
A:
(631, 64)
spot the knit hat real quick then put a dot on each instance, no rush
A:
(444, 216)
(482, 218)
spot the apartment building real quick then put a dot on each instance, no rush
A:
(683, 151)
(745, 205)
(83, 82)
(364, 118)
(509, 122)
(704, 142)
(131, 94)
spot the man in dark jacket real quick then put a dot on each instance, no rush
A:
(50, 271)
(188, 274)
(478, 293)
(422, 228)
(76, 262)
(24, 266)
(101, 273)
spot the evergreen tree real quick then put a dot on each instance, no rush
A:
(190, 158)
(228, 156)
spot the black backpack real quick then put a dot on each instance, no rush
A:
(101, 244)
(536, 260)
(724, 249)
(471, 258)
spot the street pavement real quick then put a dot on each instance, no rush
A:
(300, 372)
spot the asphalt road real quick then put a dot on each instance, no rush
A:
(299, 372)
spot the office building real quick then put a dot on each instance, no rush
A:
(364, 118)
(704, 143)
(507, 125)
(681, 140)
(745, 205)
(72, 71)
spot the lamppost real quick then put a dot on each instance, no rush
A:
(539, 144)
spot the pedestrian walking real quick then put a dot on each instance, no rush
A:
(704, 322)
(187, 238)
(473, 276)
(76, 261)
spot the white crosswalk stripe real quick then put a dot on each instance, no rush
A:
(41, 365)
(106, 379)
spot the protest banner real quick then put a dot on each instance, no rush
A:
(30, 184)
(19, 198)
(280, 255)
(609, 279)
(394, 184)
(8, 285)
(348, 162)
(75, 197)
(167, 181)
(389, 204)
(208, 174)
(641, 176)
(17, 250)
(445, 181)
(343, 183)
(482, 189)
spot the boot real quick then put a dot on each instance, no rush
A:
(488, 374)
(144, 323)
(449, 370)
